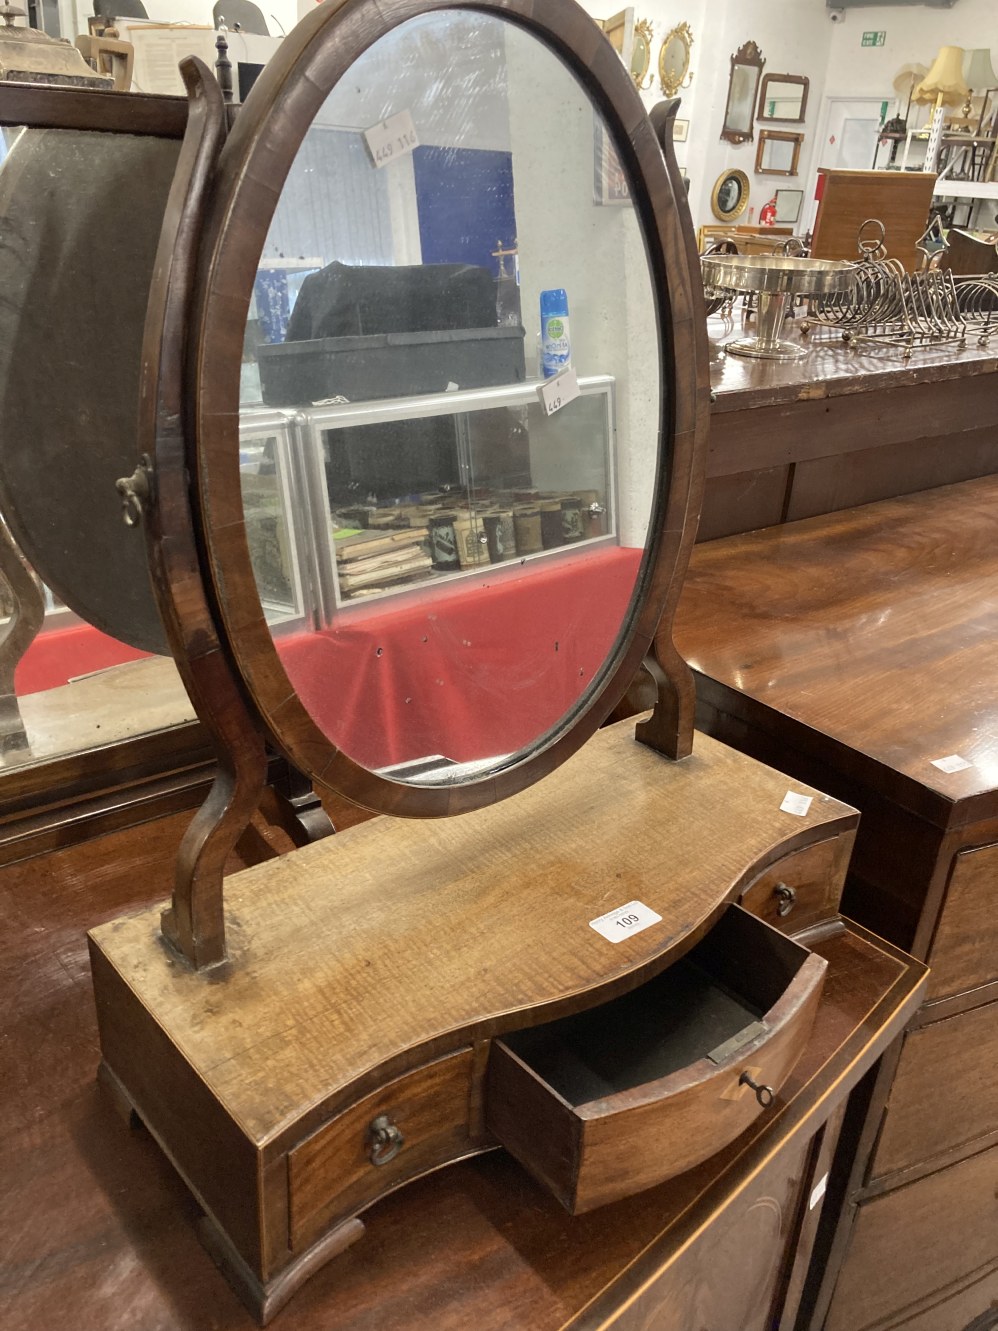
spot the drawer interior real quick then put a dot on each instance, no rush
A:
(709, 1003)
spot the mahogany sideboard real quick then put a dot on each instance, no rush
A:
(859, 651)
(846, 425)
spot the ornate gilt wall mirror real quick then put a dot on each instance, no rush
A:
(641, 54)
(778, 153)
(674, 59)
(783, 97)
(730, 195)
(743, 89)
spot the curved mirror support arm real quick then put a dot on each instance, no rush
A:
(194, 922)
(26, 615)
(670, 727)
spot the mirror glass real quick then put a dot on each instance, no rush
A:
(83, 657)
(743, 87)
(778, 153)
(783, 97)
(445, 557)
(674, 59)
(730, 195)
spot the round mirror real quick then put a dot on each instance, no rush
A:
(432, 398)
(730, 195)
(674, 59)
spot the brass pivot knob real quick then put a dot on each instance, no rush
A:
(764, 1094)
(786, 898)
(384, 1139)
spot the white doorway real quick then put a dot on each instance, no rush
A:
(847, 135)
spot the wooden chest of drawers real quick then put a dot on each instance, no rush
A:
(859, 651)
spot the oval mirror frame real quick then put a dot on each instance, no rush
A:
(722, 188)
(268, 132)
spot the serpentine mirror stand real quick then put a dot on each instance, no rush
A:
(302, 1063)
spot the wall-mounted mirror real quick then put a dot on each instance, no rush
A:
(730, 195)
(743, 88)
(674, 59)
(641, 54)
(480, 554)
(783, 97)
(778, 153)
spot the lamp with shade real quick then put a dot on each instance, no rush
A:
(979, 75)
(944, 84)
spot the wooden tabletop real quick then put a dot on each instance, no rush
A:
(830, 368)
(874, 631)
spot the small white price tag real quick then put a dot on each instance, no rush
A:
(625, 921)
(558, 391)
(391, 139)
(954, 763)
(794, 803)
(818, 1193)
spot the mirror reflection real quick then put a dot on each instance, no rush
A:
(445, 556)
(81, 217)
(783, 97)
(743, 86)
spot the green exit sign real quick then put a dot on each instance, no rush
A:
(874, 38)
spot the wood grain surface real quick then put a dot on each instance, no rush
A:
(404, 936)
(96, 1220)
(852, 624)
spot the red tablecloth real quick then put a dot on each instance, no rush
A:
(56, 657)
(467, 671)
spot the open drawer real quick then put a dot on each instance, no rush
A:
(607, 1102)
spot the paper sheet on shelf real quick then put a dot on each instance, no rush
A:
(159, 49)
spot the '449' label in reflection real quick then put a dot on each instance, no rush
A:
(391, 139)
(625, 921)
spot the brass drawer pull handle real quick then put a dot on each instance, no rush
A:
(764, 1094)
(786, 897)
(385, 1140)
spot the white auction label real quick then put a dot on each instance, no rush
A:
(954, 763)
(558, 391)
(819, 1192)
(795, 803)
(391, 139)
(625, 921)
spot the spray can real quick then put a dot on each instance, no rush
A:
(556, 346)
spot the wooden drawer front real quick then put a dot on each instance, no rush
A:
(330, 1175)
(963, 954)
(910, 1245)
(604, 1104)
(973, 1307)
(803, 888)
(945, 1092)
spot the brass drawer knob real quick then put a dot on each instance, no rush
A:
(786, 898)
(764, 1094)
(384, 1140)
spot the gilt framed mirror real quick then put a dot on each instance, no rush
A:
(783, 98)
(490, 569)
(730, 195)
(674, 59)
(778, 153)
(743, 89)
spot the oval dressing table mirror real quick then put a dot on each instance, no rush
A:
(386, 543)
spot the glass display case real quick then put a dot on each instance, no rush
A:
(415, 491)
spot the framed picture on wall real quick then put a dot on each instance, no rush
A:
(680, 131)
(788, 205)
(609, 181)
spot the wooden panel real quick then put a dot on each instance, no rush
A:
(840, 481)
(945, 1092)
(733, 1274)
(964, 1309)
(910, 1244)
(331, 1174)
(963, 953)
(742, 502)
(815, 875)
(900, 200)
(841, 629)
